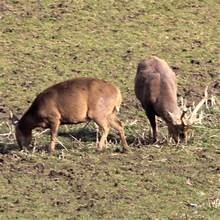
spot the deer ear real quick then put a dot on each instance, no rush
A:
(14, 119)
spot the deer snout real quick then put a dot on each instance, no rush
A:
(23, 139)
(178, 133)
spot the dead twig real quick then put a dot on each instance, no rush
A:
(76, 140)
(59, 142)
(37, 134)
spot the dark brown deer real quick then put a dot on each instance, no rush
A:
(156, 89)
(71, 102)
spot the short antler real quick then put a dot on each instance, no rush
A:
(183, 103)
(182, 116)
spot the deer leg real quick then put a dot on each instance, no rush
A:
(54, 130)
(152, 119)
(104, 127)
(97, 134)
(118, 126)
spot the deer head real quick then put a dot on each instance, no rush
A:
(181, 123)
(23, 136)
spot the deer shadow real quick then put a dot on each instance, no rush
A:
(90, 135)
(83, 135)
(7, 148)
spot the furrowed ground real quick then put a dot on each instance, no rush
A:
(44, 42)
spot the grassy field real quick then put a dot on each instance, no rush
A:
(43, 42)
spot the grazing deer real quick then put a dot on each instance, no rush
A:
(71, 102)
(156, 89)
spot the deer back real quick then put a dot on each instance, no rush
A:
(72, 101)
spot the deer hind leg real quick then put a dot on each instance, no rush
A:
(152, 118)
(54, 126)
(104, 128)
(116, 124)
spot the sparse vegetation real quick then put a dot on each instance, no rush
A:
(44, 42)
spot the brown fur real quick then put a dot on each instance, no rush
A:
(71, 102)
(155, 87)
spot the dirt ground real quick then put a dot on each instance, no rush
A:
(45, 42)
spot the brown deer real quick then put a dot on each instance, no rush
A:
(156, 89)
(71, 102)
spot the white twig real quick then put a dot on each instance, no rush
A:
(37, 134)
(75, 139)
(59, 142)
(86, 124)
(34, 149)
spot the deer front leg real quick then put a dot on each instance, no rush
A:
(152, 118)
